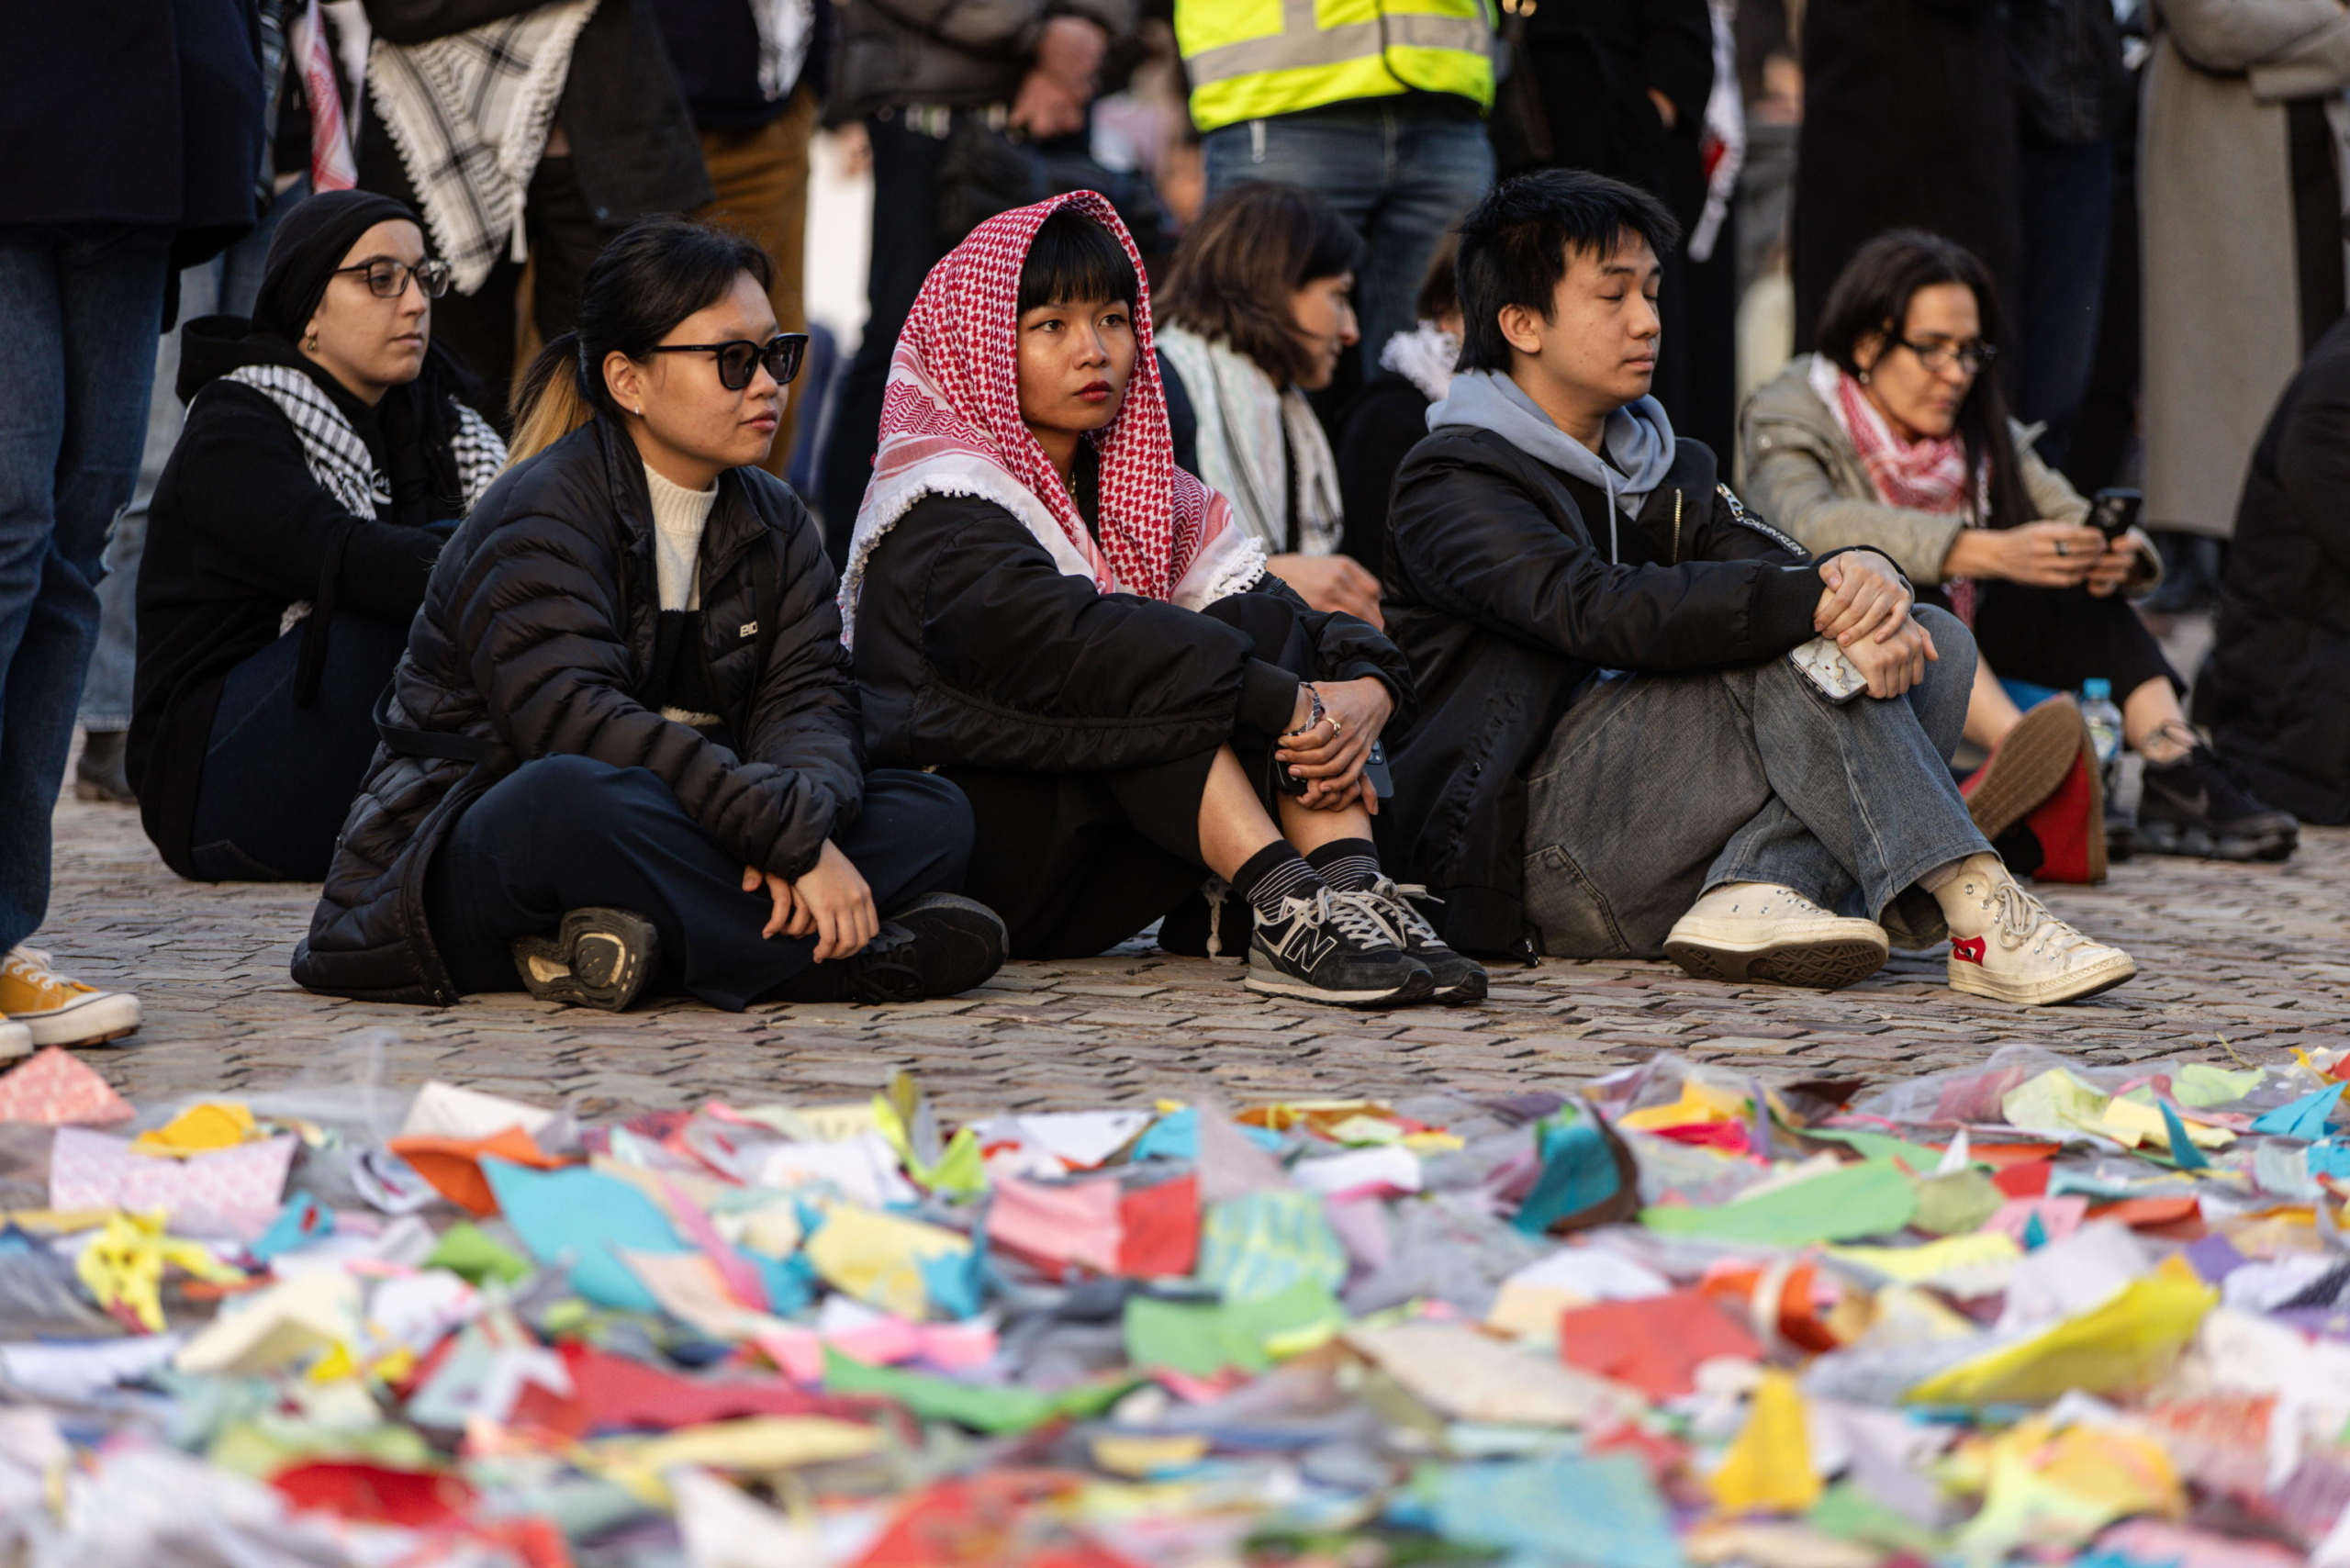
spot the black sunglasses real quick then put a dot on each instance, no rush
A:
(781, 354)
(388, 279)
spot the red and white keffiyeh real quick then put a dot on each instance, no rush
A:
(1924, 476)
(950, 425)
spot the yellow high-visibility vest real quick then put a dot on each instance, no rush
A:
(1252, 58)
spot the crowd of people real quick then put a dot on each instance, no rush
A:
(1399, 587)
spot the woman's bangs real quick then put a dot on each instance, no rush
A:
(1075, 259)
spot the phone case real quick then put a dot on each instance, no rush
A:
(1824, 665)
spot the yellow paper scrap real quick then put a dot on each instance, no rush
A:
(1973, 1256)
(2054, 1104)
(2127, 1343)
(317, 1310)
(756, 1445)
(2052, 1492)
(199, 1129)
(1699, 1101)
(1769, 1468)
(2130, 1123)
(1137, 1457)
(815, 1124)
(774, 1230)
(123, 1265)
(878, 1258)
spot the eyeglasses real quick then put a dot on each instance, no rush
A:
(1937, 357)
(388, 280)
(781, 354)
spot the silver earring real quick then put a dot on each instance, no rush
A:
(1865, 378)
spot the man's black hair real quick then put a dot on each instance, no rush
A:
(1514, 246)
(1072, 259)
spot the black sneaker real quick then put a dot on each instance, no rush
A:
(1457, 979)
(101, 773)
(1331, 948)
(597, 957)
(2195, 806)
(939, 945)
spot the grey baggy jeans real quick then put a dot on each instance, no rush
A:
(1655, 789)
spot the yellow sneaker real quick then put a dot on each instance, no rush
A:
(59, 1011)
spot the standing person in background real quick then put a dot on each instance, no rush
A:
(1623, 85)
(938, 83)
(2243, 245)
(1258, 315)
(2072, 95)
(303, 126)
(754, 71)
(583, 83)
(97, 211)
(1382, 115)
(1908, 122)
(1387, 418)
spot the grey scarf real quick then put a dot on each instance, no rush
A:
(1639, 439)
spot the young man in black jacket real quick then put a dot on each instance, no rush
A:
(1642, 726)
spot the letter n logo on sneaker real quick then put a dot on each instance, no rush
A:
(1969, 948)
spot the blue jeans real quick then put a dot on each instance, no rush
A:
(1656, 788)
(1402, 172)
(226, 285)
(80, 309)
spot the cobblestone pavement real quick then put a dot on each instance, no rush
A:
(2252, 956)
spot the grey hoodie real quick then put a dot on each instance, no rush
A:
(1639, 438)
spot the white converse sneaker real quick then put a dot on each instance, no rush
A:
(2019, 951)
(15, 1040)
(1760, 931)
(58, 1011)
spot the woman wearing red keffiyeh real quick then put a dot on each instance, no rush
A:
(1045, 610)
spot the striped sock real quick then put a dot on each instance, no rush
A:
(1350, 865)
(1274, 873)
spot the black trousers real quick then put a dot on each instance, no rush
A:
(479, 328)
(2061, 637)
(1077, 863)
(277, 780)
(566, 833)
(906, 245)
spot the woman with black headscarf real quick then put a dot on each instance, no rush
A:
(324, 458)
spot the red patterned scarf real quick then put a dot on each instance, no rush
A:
(951, 425)
(1930, 475)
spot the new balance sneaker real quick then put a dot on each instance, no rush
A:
(1457, 979)
(1760, 931)
(2017, 951)
(2195, 806)
(1331, 948)
(56, 1010)
(597, 957)
(940, 944)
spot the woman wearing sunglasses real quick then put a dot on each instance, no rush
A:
(624, 749)
(325, 457)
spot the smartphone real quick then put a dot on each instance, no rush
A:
(2114, 512)
(1828, 666)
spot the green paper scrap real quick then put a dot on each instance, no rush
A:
(1847, 1513)
(991, 1410)
(1960, 1202)
(2183, 1152)
(262, 1444)
(1201, 1338)
(472, 1253)
(2198, 1084)
(1261, 1243)
(2054, 1104)
(1922, 1159)
(1873, 1198)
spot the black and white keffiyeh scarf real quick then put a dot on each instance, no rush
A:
(339, 460)
(469, 114)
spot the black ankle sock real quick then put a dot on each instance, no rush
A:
(1350, 865)
(1274, 873)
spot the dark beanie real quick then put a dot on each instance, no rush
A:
(310, 242)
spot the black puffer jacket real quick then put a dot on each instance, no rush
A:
(1494, 588)
(974, 650)
(2276, 693)
(537, 634)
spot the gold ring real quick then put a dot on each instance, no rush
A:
(1338, 726)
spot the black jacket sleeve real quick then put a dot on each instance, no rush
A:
(1345, 647)
(1471, 539)
(244, 487)
(805, 744)
(539, 617)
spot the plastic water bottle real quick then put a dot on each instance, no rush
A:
(2104, 721)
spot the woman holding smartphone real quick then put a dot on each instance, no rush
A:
(1895, 435)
